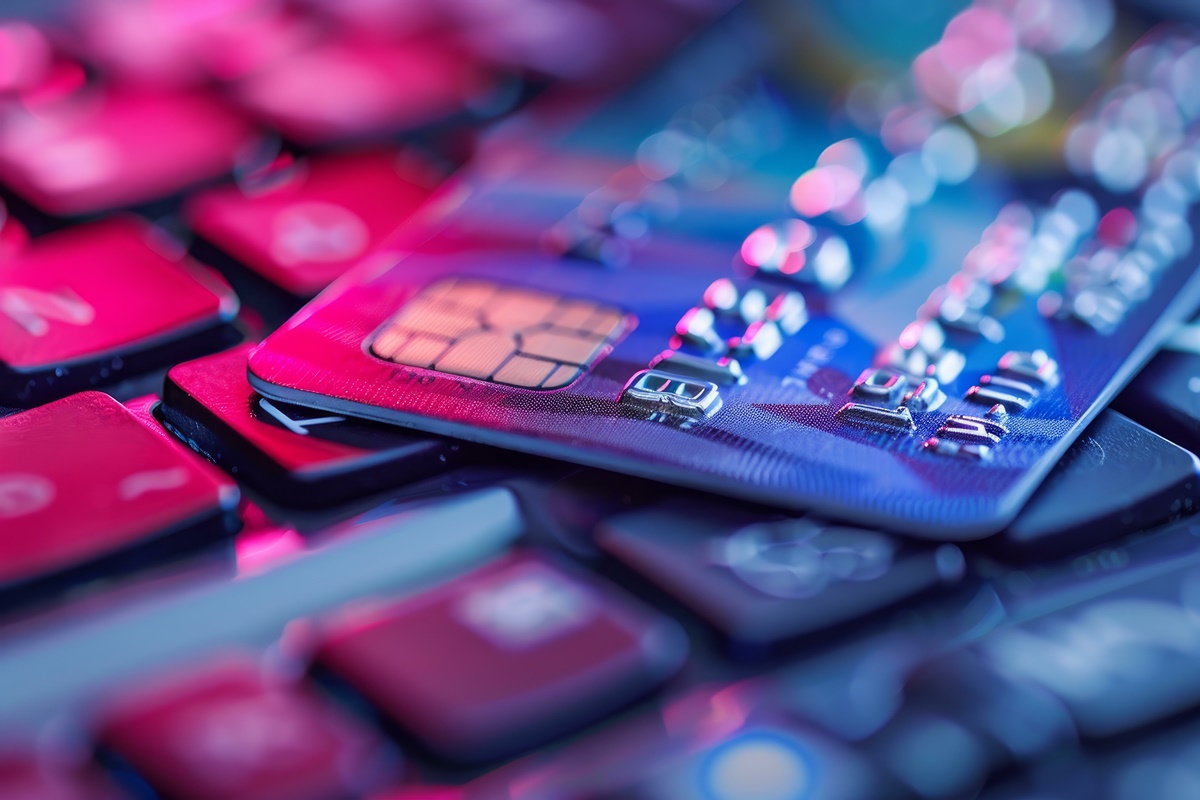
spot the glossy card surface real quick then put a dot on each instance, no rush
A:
(700, 286)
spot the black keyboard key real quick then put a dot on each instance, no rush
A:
(293, 456)
(935, 756)
(711, 743)
(1165, 396)
(761, 581)
(769, 758)
(1117, 479)
(93, 305)
(1117, 663)
(1024, 720)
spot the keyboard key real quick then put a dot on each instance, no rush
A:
(226, 732)
(106, 148)
(1165, 396)
(317, 222)
(289, 454)
(352, 88)
(1117, 479)
(1024, 720)
(760, 581)
(507, 657)
(1116, 663)
(28, 57)
(937, 757)
(93, 305)
(393, 547)
(87, 489)
(762, 757)
(172, 43)
(712, 743)
(24, 777)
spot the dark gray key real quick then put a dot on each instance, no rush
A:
(1165, 397)
(1117, 478)
(1116, 663)
(761, 580)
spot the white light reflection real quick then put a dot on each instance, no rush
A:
(887, 206)
(1120, 161)
(758, 766)
(950, 154)
(1060, 26)
(1006, 92)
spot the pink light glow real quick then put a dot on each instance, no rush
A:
(1117, 228)
(824, 189)
(779, 246)
(974, 38)
(258, 549)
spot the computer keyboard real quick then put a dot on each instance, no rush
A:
(550, 400)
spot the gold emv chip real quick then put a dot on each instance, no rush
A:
(506, 334)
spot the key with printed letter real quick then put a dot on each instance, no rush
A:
(761, 580)
(93, 305)
(86, 490)
(318, 219)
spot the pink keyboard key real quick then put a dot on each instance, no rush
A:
(226, 732)
(508, 656)
(13, 235)
(323, 218)
(84, 483)
(104, 148)
(91, 305)
(23, 777)
(349, 88)
(180, 42)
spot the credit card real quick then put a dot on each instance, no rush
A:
(913, 362)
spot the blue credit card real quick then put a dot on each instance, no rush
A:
(845, 338)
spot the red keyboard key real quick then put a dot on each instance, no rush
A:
(86, 489)
(318, 222)
(25, 777)
(511, 655)
(349, 88)
(105, 148)
(226, 732)
(293, 456)
(95, 304)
